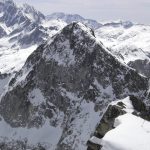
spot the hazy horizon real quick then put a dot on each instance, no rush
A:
(108, 10)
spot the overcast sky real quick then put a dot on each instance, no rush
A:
(134, 10)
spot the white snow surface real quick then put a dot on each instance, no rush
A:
(95, 140)
(131, 133)
(84, 123)
(47, 134)
(36, 97)
(12, 59)
(82, 126)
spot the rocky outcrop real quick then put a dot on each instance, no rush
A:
(2, 32)
(107, 122)
(141, 66)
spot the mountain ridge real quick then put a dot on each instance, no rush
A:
(54, 92)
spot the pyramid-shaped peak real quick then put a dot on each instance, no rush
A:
(77, 27)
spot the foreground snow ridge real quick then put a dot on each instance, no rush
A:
(129, 132)
(128, 135)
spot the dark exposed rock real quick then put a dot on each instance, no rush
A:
(108, 119)
(141, 66)
(2, 32)
(93, 146)
(138, 104)
(140, 108)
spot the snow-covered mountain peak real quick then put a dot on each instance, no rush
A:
(21, 31)
(66, 82)
(71, 44)
(10, 8)
(77, 28)
(32, 13)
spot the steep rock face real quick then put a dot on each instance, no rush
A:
(141, 66)
(68, 81)
(32, 13)
(2, 32)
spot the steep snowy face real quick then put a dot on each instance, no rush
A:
(69, 18)
(13, 15)
(130, 45)
(32, 13)
(64, 86)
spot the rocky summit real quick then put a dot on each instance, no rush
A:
(56, 100)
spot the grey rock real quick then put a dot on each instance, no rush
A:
(141, 66)
(2, 32)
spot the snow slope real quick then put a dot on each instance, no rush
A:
(47, 135)
(12, 59)
(128, 44)
(131, 133)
